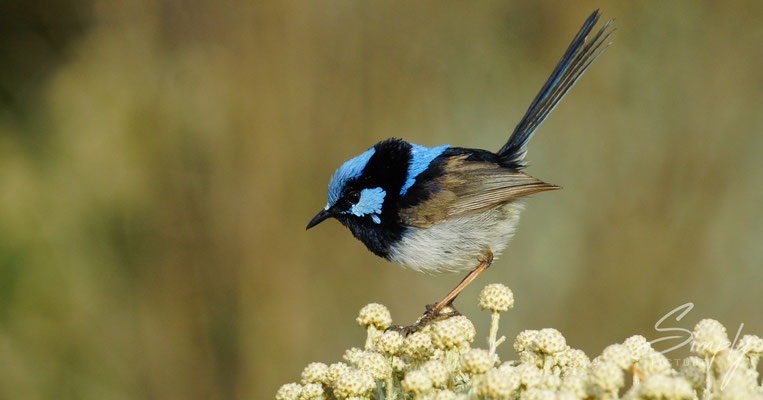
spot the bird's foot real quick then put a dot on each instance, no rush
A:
(430, 315)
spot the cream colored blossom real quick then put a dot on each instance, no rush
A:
(619, 355)
(398, 364)
(607, 375)
(416, 382)
(536, 393)
(525, 340)
(550, 340)
(376, 365)
(638, 347)
(496, 297)
(354, 383)
(693, 370)
(665, 387)
(499, 384)
(311, 391)
(436, 371)
(446, 395)
(452, 332)
(532, 358)
(578, 360)
(709, 337)
(418, 345)
(390, 342)
(576, 384)
(336, 370)
(353, 355)
(529, 375)
(316, 372)
(289, 391)
(477, 361)
(376, 315)
(654, 363)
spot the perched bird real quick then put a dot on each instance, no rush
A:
(446, 208)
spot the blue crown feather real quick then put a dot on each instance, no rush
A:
(352, 168)
(420, 158)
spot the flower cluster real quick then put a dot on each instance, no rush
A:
(439, 363)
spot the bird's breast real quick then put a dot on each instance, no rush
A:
(454, 245)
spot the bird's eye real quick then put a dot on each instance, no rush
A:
(353, 197)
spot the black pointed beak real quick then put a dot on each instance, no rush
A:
(318, 218)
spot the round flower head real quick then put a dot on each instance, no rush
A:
(576, 384)
(452, 332)
(608, 376)
(525, 340)
(418, 345)
(638, 347)
(729, 360)
(537, 393)
(665, 387)
(550, 341)
(529, 375)
(375, 315)
(578, 359)
(477, 361)
(653, 363)
(750, 345)
(316, 372)
(376, 365)
(619, 355)
(446, 395)
(354, 383)
(499, 384)
(566, 395)
(437, 372)
(289, 391)
(416, 382)
(693, 370)
(561, 359)
(532, 358)
(390, 342)
(466, 327)
(709, 337)
(551, 382)
(398, 364)
(311, 391)
(496, 297)
(353, 355)
(336, 370)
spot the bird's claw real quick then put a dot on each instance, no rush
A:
(430, 315)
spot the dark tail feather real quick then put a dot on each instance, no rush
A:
(575, 61)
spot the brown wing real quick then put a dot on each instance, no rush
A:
(470, 187)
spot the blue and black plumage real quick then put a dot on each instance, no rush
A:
(444, 208)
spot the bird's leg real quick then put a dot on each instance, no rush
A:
(434, 310)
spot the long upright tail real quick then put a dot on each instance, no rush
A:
(579, 56)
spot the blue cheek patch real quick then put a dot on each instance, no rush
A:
(420, 158)
(371, 201)
(351, 169)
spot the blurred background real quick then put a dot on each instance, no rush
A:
(159, 162)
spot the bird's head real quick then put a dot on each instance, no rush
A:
(366, 189)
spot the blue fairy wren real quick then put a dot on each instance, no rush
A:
(444, 208)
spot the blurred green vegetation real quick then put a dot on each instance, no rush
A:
(159, 161)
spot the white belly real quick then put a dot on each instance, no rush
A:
(455, 245)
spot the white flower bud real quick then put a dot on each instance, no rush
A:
(289, 391)
(376, 315)
(496, 297)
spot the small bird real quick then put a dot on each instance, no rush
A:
(443, 208)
